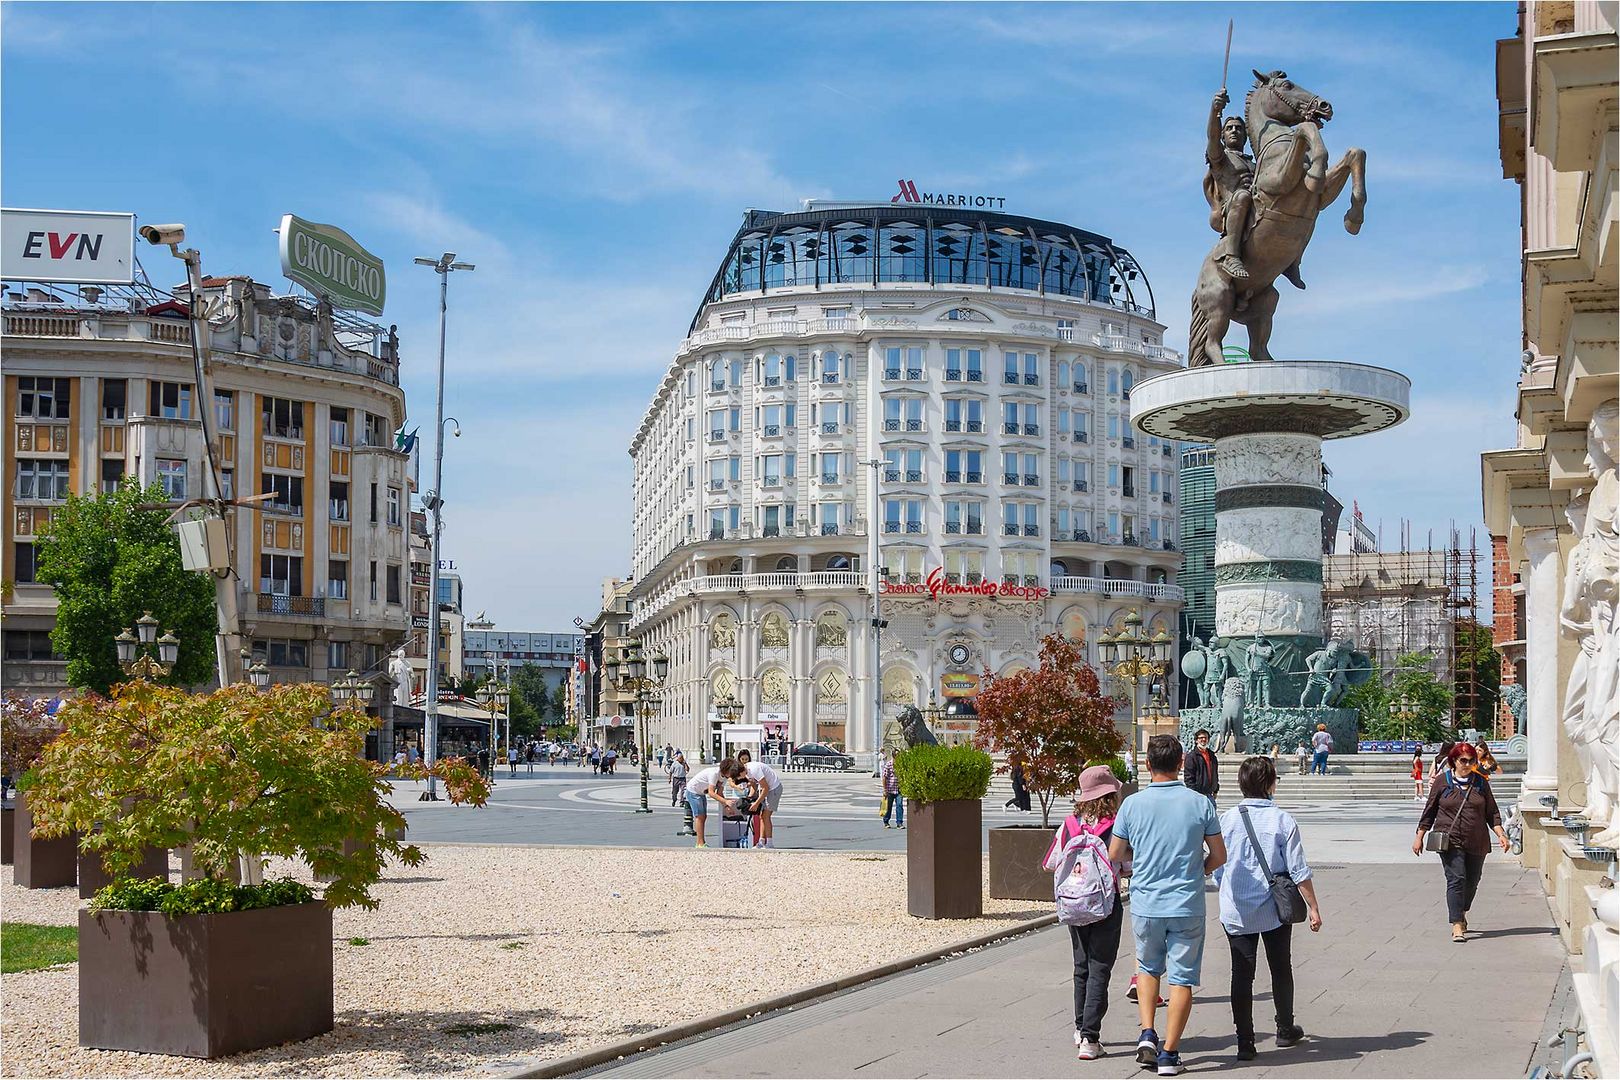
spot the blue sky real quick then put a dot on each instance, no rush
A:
(595, 160)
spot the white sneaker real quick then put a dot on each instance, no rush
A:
(1087, 1049)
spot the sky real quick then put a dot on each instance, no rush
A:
(595, 160)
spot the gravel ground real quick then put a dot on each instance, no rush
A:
(573, 947)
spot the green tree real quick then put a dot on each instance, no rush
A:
(110, 561)
(1475, 649)
(559, 700)
(530, 699)
(1412, 681)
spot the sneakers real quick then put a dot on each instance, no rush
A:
(1147, 1047)
(1087, 1049)
(886, 825)
(1289, 1034)
(1130, 995)
(1170, 1063)
(701, 845)
(1245, 1049)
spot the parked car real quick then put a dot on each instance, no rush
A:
(820, 756)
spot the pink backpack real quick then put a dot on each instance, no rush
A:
(1084, 882)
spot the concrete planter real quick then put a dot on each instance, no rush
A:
(944, 859)
(93, 875)
(204, 986)
(41, 864)
(1016, 852)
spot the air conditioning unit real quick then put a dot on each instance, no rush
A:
(203, 544)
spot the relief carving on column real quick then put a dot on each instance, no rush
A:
(1269, 459)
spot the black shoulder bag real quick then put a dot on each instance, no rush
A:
(1284, 890)
(1442, 841)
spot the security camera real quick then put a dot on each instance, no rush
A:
(456, 431)
(164, 234)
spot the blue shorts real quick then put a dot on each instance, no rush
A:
(1173, 944)
(698, 802)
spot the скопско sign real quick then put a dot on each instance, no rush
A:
(328, 262)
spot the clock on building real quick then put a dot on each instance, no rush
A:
(960, 654)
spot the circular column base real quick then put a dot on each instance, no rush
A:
(1285, 727)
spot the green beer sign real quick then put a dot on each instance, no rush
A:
(326, 260)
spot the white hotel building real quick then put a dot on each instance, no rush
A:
(984, 361)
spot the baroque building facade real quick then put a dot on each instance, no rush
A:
(99, 386)
(977, 368)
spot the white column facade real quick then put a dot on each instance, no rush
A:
(1542, 713)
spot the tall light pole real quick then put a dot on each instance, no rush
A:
(646, 689)
(872, 583)
(441, 266)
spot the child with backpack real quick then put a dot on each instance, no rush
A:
(1086, 885)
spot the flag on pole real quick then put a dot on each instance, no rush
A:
(405, 443)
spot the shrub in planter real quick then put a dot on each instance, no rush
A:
(209, 968)
(1053, 718)
(26, 728)
(943, 786)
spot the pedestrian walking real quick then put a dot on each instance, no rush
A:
(609, 759)
(1418, 774)
(411, 754)
(702, 784)
(399, 763)
(1020, 796)
(1488, 765)
(1275, 754)
(1442, 760)
(1095, 943)
(1461, 812)
(1262, 841)
(1173, 838)
(1302, 757)
(1321, 747)
(1202, 772)
(677, 777)
(768, 796)
(892, 800)
(596, 761)
(511, 761)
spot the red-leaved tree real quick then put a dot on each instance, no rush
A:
(1053, 718)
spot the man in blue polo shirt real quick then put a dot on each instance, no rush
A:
(1173, 839)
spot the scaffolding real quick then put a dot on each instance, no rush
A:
(1412, 600)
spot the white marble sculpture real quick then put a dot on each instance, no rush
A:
(1592, 576)
(399, 669)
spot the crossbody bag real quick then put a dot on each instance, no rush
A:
(1442, 841)
(1284, 890)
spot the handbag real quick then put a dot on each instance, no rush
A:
(1284, 890)
(1441, 841)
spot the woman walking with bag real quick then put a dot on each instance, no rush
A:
(1464, 808)
(1265, 888)
(1096, 940)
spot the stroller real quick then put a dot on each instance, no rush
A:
(739, 828)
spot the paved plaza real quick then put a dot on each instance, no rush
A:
(1382, 991)
(820, 811)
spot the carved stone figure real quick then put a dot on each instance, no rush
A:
(1258, 656)
(1232, 702)
(914, 728)
(399, 669)
(1514, 697)
(1215, 674)
(1291, 184)
(1195, 665)
(1592, 578)
(1327, 670)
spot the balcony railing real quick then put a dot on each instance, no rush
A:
(828, 378)
(1009, 429)
(891, 526)
(1031, 480)
(953, 425)
(1130, 443)
(1032, 380)
(891, 425)
(953, 375)
(913, 476)
(1009, 530)
(972, 477)
(1032, 429)
(717, 436)
(1082, 485)
(975, 425)
(975, 376)
(276, 604)
(829, 529)
(953, 526)
(717, 485)
(1121, 343)
(773, 380)
(1082, 437)
(1130, 491)
(913, 526)
(829, 427)
(1032, 530)
(914, 374)
(891, 476)
(1165, 496)
(914, 425)
(1010, 478)
(891, 373)
(772, 430)
(829, 478)
(1170, 594)
(1081, 388)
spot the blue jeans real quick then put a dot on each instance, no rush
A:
(896, 803)
(1319, 763)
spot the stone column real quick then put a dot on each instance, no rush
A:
(1268, 546)
(1541, 662)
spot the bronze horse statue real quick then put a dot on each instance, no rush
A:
(1292, 185)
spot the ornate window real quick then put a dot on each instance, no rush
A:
(832, 630)
(773, 631)
(723, 631)
(773, 687)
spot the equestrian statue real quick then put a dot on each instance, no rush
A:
(1265, 208)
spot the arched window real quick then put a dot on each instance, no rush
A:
(1059, 568)
(1063, 373)
(787, 564)
(832, 630)
(717, 374)
(838, 562)
(773, 631)
(1079, 376)
(722, 631)
(736, 567)
(832, 367)
(1127, 380)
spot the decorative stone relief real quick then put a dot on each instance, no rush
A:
(773, 631)
(723, 632)
(1268, 459)
(833, 687)
(773, 687)
(832, 630)
(1248, 535)
(1034, 328)
(1284, 607)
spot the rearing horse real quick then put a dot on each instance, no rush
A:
(1292, 185)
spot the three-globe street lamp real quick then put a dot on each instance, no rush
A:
(353, 689)
(1133, 658)
(629, 672)
(135, 649)
(493, 696)
(1406, 710)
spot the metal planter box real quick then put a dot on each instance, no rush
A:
(8, 833)
(204, 986)
(93, 874)
(41, 864)
(1016, 852)
(944, 859)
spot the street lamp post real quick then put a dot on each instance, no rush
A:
(136, 648)
(1133, 658)
(442, 266)
(1406, 709)
(873, 557)
(493, 696)
(646, 688)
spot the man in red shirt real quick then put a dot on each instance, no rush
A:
(1202, 770)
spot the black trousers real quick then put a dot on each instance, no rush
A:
(1279, 958)
(1095, 947)
(1463, 869)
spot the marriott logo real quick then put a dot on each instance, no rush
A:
(908, 194)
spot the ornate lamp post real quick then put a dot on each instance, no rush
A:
(1405, 709)
(352, 689)
(135, 650)
(1132, 657)
(633, 678)
(492, 696)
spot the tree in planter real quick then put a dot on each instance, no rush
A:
(26, 729)
(1054, 718)
(276, 772)
(109, 562)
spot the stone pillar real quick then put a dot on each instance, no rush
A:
(1541, 662)
(1268, 547)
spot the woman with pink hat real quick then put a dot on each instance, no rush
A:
(1095, 943)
